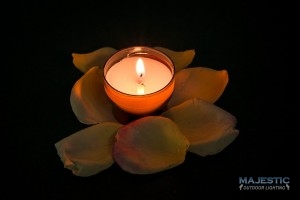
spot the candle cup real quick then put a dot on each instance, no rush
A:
(159, 71)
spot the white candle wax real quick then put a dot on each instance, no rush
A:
(123, 76)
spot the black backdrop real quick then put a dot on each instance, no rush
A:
(248, 39)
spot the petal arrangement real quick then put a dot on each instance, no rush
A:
(191, 122)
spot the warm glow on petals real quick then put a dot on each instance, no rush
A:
(88, 99)
(148, 145)
(85, 61)
(88, 151)
(208, 128)
(181, 59)
(198, 82)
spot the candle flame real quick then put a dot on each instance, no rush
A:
(140, 68)
(140, 71)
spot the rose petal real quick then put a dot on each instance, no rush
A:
(85, 61)
(208, 128)
(181, 59)
(148, 145)
(88, 99)
(88, 151)
(198, 82)
(98, 57)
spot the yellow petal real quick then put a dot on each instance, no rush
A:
(148, 145)
(89, 101)
(88, 151)
(208, 128)
(198, 82)
(95, 58)
(181, 59)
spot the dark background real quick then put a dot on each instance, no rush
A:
(250, 40)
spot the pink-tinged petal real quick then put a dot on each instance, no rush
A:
(208, 128)
(85, 61)
(181, 59)
(148, 145)
(88, 151)
(198, 82)
(88, 99)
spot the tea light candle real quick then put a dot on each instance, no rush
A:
(139, 80)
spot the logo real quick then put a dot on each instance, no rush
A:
(264, 183)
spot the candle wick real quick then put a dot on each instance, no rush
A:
(141, 82)
(140, 79)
